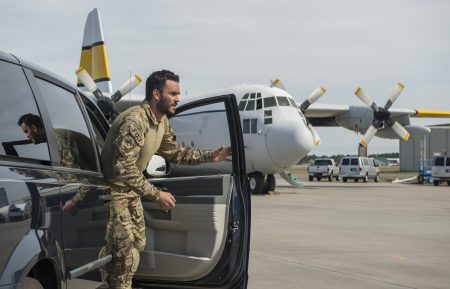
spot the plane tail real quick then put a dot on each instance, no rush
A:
(93, 53)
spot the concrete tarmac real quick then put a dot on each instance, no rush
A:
(351, 235)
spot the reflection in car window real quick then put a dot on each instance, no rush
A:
(17, 103)
(270, 101)
(75, 146)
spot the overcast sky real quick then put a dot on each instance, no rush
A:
(213, 44)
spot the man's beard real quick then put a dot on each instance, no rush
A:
(164, 107)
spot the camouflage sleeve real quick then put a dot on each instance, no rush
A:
(179, 154)
(127, 146)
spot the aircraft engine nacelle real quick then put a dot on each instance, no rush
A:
(415, 131)
(357, 118)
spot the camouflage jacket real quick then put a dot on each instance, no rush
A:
(134, 137)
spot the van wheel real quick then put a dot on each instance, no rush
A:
(344, 180)
(436, 183)
(338, 178)
(330, 178)
(448, 183)
(356, 180)
(377, 178)
(29, 283)
(311, 178)
(318, 179)
(366, 178)
(256, 183)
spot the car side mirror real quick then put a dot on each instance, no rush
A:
(158, 167)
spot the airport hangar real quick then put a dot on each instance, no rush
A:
(414, 150)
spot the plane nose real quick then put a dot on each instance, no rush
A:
(287, 142)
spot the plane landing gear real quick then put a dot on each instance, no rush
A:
(260, 186)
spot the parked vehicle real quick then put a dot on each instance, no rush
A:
(358, 168)
(323, 168)
(202, 243)
(19, 212)
(425, 176)
(440, 170)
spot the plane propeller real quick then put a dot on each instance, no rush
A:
(313, 97)
(105, 103)
(381, 115)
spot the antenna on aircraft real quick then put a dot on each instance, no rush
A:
(382, 115)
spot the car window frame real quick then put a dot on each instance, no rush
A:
(32, 76)
(20, 160)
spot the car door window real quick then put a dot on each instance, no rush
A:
(75, 147)
(206, 128)
(23, 133)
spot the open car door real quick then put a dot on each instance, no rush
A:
(204, 241)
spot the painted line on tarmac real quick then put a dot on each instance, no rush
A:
(329, 270)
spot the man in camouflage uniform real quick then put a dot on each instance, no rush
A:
(134, 137)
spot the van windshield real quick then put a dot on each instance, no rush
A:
(439, 161)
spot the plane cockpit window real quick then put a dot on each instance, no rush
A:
(246, 96)
(270, 101)
(293, 104)
(258, 103)
(250, 105)
(252, 95)
(283, 101)
(242, 105)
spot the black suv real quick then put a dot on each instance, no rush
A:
(51, 138)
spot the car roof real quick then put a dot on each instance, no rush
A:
(18, 60)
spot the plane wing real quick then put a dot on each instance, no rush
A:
(322, 110)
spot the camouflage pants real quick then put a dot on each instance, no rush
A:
(125, 239)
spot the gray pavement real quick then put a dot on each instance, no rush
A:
(351, 235)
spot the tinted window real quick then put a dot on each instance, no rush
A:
(74, 143)
(447, 162)
(322, 162)
(439, 161)
(270, 101)
(345, 162)
(354, 162)
(17, 102)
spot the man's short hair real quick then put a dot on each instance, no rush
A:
(30, 119)
(157, 80)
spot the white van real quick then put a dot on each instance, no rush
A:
(357, 168)
(440, 171)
